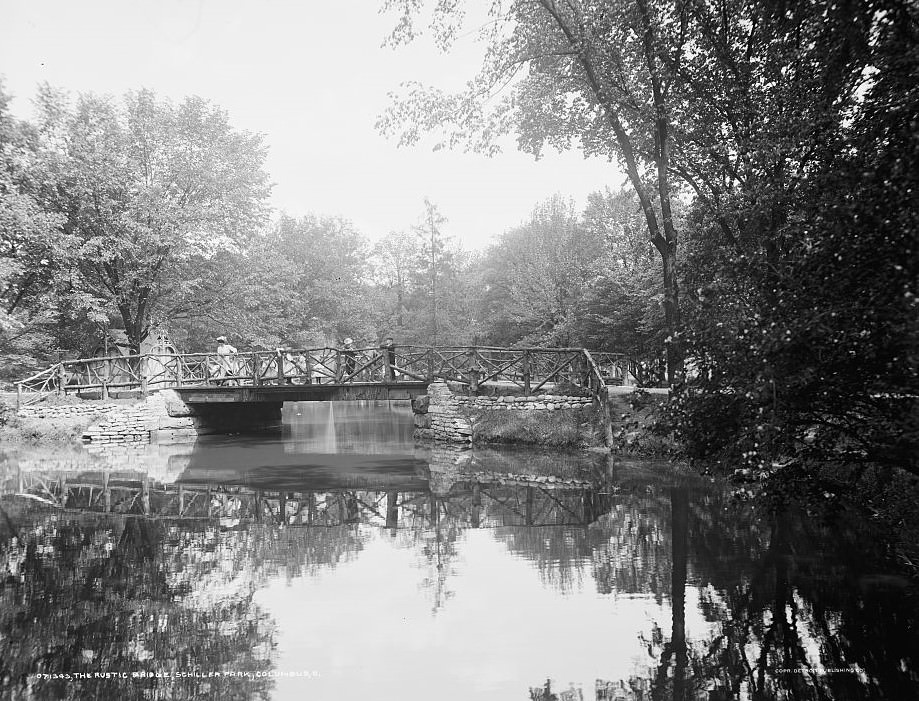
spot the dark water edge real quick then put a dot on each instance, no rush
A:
(341, 560)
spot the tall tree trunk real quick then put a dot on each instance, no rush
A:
(672, 317)
(662, 234)
(679, 505)
(133, 327)
(668, 247)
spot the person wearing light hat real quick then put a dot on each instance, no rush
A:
(224, 353)
(348, 354)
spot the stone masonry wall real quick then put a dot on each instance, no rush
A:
(444, 421)
(68, 411)
(127, 424)
(172, 420)
(443, 415)
(118, 423)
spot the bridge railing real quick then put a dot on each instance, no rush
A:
(530, 369)
(527, 368)
(38, 386)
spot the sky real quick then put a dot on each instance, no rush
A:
(313, 77)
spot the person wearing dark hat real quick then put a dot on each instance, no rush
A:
(348, 355)
(224, 354)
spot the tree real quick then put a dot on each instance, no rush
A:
(803, 312)
(395, 256)
(309, 282)
(152, 193)
(34, 253)
(438, 287)
(537, 275)
(580, 72)
(622, 310)
(432, 249)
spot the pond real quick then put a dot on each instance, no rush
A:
(337, 559)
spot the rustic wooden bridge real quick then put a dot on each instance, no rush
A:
(330, 373)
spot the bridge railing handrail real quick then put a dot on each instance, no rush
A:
(32, 378)
(530, 368)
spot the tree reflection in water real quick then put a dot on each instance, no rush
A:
(786, 592)
(88, 594)
(112, 592)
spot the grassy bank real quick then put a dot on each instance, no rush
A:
(32, 430)
(563, 428)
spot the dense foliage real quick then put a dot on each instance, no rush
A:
(789, 131)
(803, 326)
(140, 215)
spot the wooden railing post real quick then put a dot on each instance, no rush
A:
(338, 366)
(179, 374)
(387, 367)
(473, 372)
(309, 368)
(526, 372)
(256, 361)
(280, 367)
(18, 396)
(430, 364)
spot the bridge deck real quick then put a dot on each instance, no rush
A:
(302, 393)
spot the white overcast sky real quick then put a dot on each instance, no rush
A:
(313, 78)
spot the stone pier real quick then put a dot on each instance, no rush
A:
(445, 416)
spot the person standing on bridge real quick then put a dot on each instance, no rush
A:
(348, 354)
(389, 350)
(225, 364)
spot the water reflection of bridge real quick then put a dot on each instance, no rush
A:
(474, 500)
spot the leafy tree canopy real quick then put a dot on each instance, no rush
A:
(152, 194)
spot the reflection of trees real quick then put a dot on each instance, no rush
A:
(631, 547)
(786, 591)
(116, 592)
(627, 549)
(86, 593)
(91, 597)
(436, 544)
(807, 598)
(559, 553)
(786, 596)
(545, 693)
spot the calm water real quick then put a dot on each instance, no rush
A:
(341, 561)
